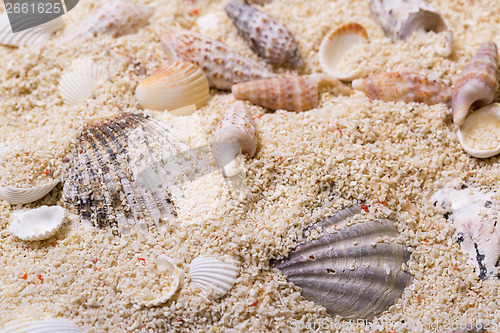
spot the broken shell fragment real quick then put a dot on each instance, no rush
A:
(32, 36)
(24, 195)
(52, 325)
(37, 224)
(214, 277)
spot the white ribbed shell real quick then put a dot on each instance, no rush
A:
(21, 195)
(214, 277)
(78, 84)
(32, 36)
(47, 325)
(37, 224)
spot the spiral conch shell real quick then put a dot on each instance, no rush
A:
(292, 93)
(478, 83)
(267, 37)
(223, 66)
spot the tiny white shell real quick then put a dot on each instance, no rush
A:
(52, 325)
(21, 195)
(480, 133)
(214, 277)
(32, 36)
(78, 84)
(37, 224)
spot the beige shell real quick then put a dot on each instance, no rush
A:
(478, 82)
(173, 86)
(214, 277)
(336, 45)
(37, 224)
(46, 325)
(33, 36)
(24, 195)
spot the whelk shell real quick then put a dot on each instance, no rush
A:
(406, 87)
(292, 93)
(478, 82)
(173, 86)
(52, 325)
(349, 271)
(28, 37)
(223, 66)
(24, 195)
(266, 36)
(336, 45)
(214, 277)
(37, 224)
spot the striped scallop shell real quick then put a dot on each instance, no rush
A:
(52, 325)
(79, 82)
(28, 37)
(404, 87)
(266, 36)
(37, 224)
(24, 195)
(223, 66)
(354, 271)
(478, 82)
(292, 93)
(214, 277)
(173, 86)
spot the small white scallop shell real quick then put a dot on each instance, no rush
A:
(32, 36)
(52, 325)
(37, 224)
(336, 45)
(214, 277)
(21, 195)
(78, 84)
(480, 133)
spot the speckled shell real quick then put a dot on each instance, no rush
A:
(223, 66)
(214, 277)
(37, 224)
(404, 87)
(349, 271)
(478, 82)
(33, 36)
(267, 37)
(24, 195)
(52, 325)
(115, 18)
(400, 19)
(292, 93)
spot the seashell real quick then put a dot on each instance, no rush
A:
(478, 82)
(293, 93)
(223, 66)
(214, 277)
(173, 86)
(349, 271)
(24, 195)
(78, 84)
(336, 45)
(404, 87)
(52, 325)
(37, 224)
(400, 19)
(480, 133)
(115, 18)
(471, 328)
(267, 37)
(33, 36)
(237, 126)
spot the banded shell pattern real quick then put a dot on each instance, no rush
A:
(37, 224)
(478, 82)
(79, 82)
(24, 195)
(406, 87)
(293, 93)
(349, 271)
(214, 277)
(33, 36)
(52, 325)
(267, 37)
(223, 66)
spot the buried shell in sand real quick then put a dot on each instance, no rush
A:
(214, 277)
(32, 36)
(351, 269)
(24, 195)
(37, 224)
(46, 325)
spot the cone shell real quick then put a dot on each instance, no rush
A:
(404, 87)
(350, 271)
(293, 93)
(267, 37)
(336, 45)
(478, 82)
(173, 86)
(33, 36)
(79, 82)
(52, 325)
(37, 224)
(223, 66)
(24, 195)
(214, 277)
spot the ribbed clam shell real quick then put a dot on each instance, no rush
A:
(32, 36)
(478, 82)
(237, 126)
(109, 155)
(79, 82)
(292, 93)
(214, 277)
(266, 36)
(37, 224)
(350, 272)
(336, 45)
(173, 86)
(52, 325)
(404, 87)
(223, 66)
(24, 195)
(400, 19)
(115, 18)
(479, 135)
